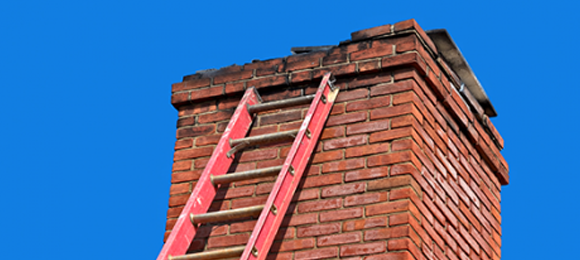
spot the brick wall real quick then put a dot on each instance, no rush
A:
(407, 167)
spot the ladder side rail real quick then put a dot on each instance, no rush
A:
(298, 157)
(204, 192)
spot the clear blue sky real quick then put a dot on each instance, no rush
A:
(87, 129)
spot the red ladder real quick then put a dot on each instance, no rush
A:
(272, 213)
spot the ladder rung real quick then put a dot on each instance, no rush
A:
(226, 215)
(217, 254)
(241, 176)
(280, 104)
(264, 139)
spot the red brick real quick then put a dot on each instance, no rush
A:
(344, 189)
(366, 174)
(225, 241)
(337, 71)
(302, 76)
(392, 88)
(207, 140)
(346, 119)
(387, 207)
(264, 64)
(337, 109)
(400, 145)
(204, 93)
(446, 212)
(367, 198)
(223, 78)
(237, 87)
(275, 118)
(404, 244)
(367, 127)
(366, 150)
(351, 95)
(306, 194)
(341, 214)
(182, 144)
(343, 165)
(318, 230)
(255, 131)
(364, 223)
(293, 245)
(345, 142)
(247, 202)
(214, 117)
(411, 59)
(258, 155)
(464, 246)
(411, 24)
(197, 108)
(332, 132)
(192, 153)
(322, 180)
(174, 212)
(391, 158)
(207, 230)
(180, 188)
(390, 134)
(195, 131)
(303, 61)
(469, 239)
(303, 219)
(433, 234)
(279, 94)
(231, 193)
(339, 239)
(182, 166)
(403, 193)
(378, 48)
(363, 249)
(245, 226)
(481, 241)
(369, 66)
(185, 176)
(268, 82)
(327, 156)
(393, 256)
(324, 253)
(395, 111)
(383, 101)
(179, 99)
(185, 121)
(495, 134)
(334, 59)
(371, 32)
(285, 233)
(319, 205)
(264, 188)
(369, 80)
(391, 182)
(190, 84)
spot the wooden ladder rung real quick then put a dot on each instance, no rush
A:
(247, 175)
(216, 254)
(226, 215)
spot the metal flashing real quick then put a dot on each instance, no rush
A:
(452, 55)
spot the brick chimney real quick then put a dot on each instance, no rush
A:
(408, 165)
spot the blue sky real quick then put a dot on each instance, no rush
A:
(87, 130)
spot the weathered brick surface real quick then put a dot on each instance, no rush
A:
(404, 169)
